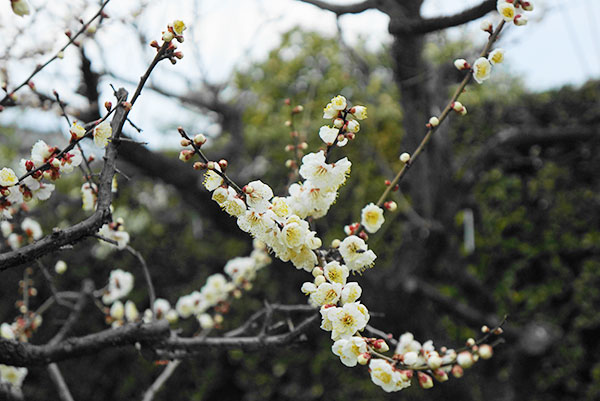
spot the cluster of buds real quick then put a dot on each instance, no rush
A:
(174, 31)
(459, 108)
(513, 10)
(343, 129)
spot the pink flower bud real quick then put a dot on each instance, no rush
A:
(425, 381)
(457, 371)
(520, 20)
(486, 351)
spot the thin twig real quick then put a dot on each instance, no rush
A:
(160, 380)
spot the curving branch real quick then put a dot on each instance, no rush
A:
(340, 9)
(427, 25)
(16, 353)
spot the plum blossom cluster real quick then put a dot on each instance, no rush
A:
(514, 11)
(410, 357)
(510, 11)
(219, 288)
(30, 230)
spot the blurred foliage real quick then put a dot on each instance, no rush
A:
(537, 241)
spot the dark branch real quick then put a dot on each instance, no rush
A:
(339, 9)
(16, 353)
(422, 26)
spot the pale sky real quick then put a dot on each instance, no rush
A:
(560, 45)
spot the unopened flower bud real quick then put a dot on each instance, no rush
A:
(391, 206)
(178, 55)
(287, 101)
(298, 109)
(218, 318)
(117, 311)
(465, 359)
(199, 140)
(60, 267)
(55, 163)
(457, 371)
(363, 358)
(167, 36)
(338, 122)
(470, 342)
(317, 271)
(289, 148)
(440, 375)
(381, 346)
(527, 5)
(303, 146)
(457, 106)
(336, 243)
(486, 351)
(485, 329)
(288, 123)
(185, 142)
(223, 164)
(289, 163)
(434, 361)
(319, 280)
(185, 155)
(461, 64)
(154, 44)
(248, 189)
(29, 165)
(486, 26)
(405, 157)
(126, 106)
(520, 20)
(498, 331)
(211, 165)
(108, 106)
(425, 381)
(434, 121)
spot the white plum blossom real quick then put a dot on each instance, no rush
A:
(40, 152)
(212, 180)
(119, 235)
(326, 294)
(329, 112)
(328, 134)
(383, 375)
(372, 218)
(120, 284)
(347, 320)
(206, 321)
(482, 68)
(131, 311)
(356, 254)
(8, 177)
(161, 308)
(89, 196)
(31, 228)
(351, 293)
(336, 273)
(496, 56)
(506, 10)
(360, 112)
(338, 102)
(258, 195)
(349, 350)
(102, 133)
(6, 228)
(12, 375)
(6, 331)
(324, 175)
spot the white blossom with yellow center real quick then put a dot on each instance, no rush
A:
(349, 350)
(383, 375)
(8, 177)
(482, 68)
(326, 294)
(506, 10)
(351, 293)
(336, 272)
(347, 320)
(372, 218)
(102, 134)
(496, 56)
(338, 102)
